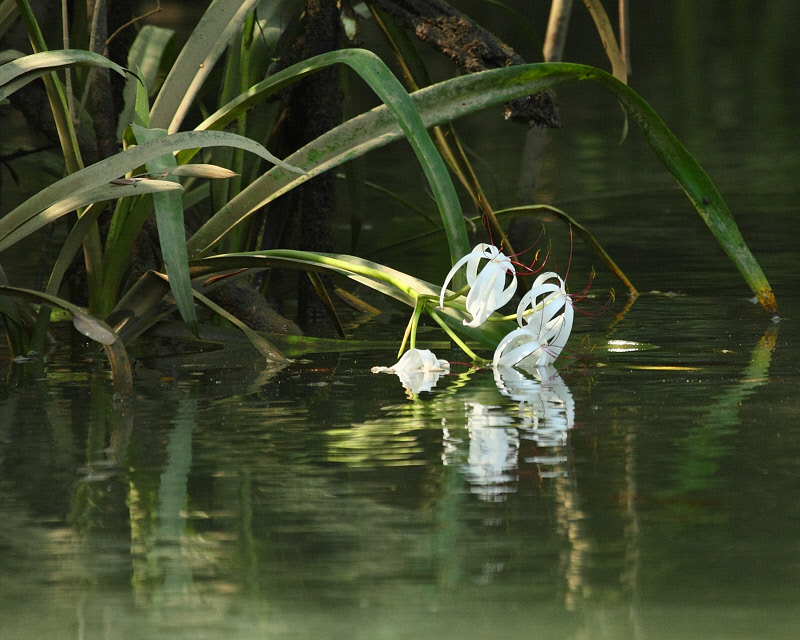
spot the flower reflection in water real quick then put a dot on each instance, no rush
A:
(544, 414)
(492, 459)
(419, 370)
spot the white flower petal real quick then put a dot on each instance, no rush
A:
(463, 260)
(488, 291)
(515, 347)
(415, 360)
(480, 252)
(547, 312)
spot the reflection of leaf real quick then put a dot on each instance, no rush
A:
(704, 446)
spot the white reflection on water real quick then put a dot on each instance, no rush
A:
(544, 415)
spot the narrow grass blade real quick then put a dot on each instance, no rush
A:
(168, 206)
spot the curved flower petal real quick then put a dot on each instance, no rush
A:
(488, 291)
(516, 347)
(541, 295)
(551, 314)
(451, 273)
(423, 360)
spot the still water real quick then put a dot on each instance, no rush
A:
(636, 493)
(646, 489)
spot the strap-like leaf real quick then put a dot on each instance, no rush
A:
(17, 73)
(168, 207)
(451, 99)
(109, 169)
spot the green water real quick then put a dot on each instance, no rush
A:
(645, 490)
(643, 493)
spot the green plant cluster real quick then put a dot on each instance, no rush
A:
(164, 167)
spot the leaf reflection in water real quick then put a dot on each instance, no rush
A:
(490, 461)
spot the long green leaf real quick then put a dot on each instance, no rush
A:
(89, 326)
(93, 250)
(107, 191)
(145, 56)
(168, 206)
(460, 96)
(105, 171)
(381, 80)
(208, 41)
(401, 286)
(16, 74)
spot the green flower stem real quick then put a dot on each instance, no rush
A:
(462, 291)
(513, 316)
(418, 307)
(437, 318)
(413, 323)
(405, 336)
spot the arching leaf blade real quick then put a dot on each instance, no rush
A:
(398, 103)
(461, 96)
(19, 72)
(105, 171)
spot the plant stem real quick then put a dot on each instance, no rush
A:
(437, 318)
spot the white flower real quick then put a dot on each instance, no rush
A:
(418, 370)
(488, 291)
(544, 330)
